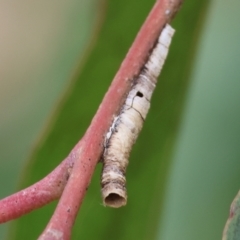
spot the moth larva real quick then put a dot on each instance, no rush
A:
(127, 125)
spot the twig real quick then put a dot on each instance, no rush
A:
(39, 194)
(87, 152)
(91, 148)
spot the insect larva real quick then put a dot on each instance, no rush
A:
(127, 125)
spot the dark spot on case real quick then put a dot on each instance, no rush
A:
(139, 94)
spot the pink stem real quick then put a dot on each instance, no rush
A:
(39, 194)
(88, 153)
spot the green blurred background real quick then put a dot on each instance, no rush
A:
(184, 169)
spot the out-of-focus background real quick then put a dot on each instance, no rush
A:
(188, 154)
(40, 45)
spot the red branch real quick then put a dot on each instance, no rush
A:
(87, 152)
(39, 194)
(90, 151)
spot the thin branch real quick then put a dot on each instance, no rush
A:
(88, 150)
(45, 193)
(88, 153)
(39, 194)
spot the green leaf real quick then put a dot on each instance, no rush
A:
(204, 176)
(232, 228)
(151, 156)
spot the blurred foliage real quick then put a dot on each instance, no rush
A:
(204, 177)
(151, 160)
(41, 43)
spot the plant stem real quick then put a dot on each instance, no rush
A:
(88, 153)
(37, 195)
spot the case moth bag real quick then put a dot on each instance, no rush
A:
(127, 125)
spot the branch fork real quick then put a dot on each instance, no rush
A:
(70, 179)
